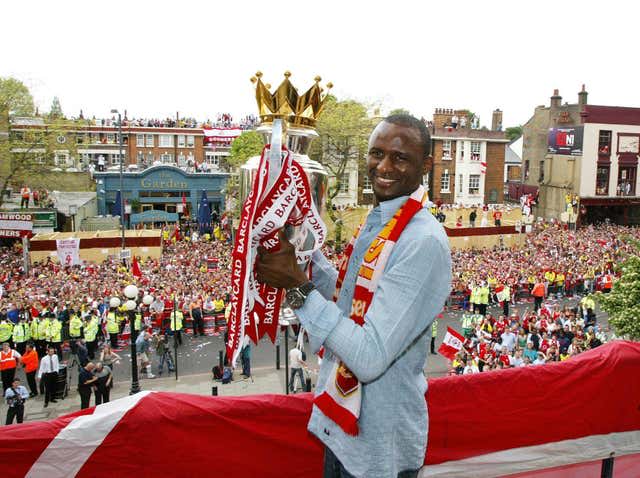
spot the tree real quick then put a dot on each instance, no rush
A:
(343, 128)
(513, 132)
(30, 152)
(15, 99)
(399, 111)
(245, 146)
(623, 302)
(56, 109)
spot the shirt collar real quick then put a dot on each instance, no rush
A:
(386, 209)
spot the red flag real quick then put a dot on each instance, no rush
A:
(451, 344)
(135, 268)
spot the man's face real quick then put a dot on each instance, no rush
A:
(395, 161)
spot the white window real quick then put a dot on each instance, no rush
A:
(139, 140)
(190, 141)
(181, 141)
(149, 141)
(182, 159)
(111, 138)
(344, 183)
(475, 150)
(150, 158)
(212, 159)
(165, 141)
(62, 159)
(446, 149)
(95, 138)
(445, 181)
(367, 187)
(140, 157)
(166, 158)
(115, 158)
(474, 184)
(460, 182)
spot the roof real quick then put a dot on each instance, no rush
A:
(465, 133)
(611, 115)
(513, 153)
(63, 200)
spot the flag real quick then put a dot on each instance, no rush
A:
(135, 268)
(451, 344)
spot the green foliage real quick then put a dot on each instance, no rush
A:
(15, 99)
(344, 129)
(623, 302)
(513, 132)
(399, 111)
(246, 145)
(56, 109)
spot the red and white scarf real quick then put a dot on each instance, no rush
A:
(343, 394)
(255, 307)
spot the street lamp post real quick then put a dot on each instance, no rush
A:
(131, 292)
(114, 111)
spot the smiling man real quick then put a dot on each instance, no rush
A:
(372, 316)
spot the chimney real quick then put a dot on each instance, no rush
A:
(556, 99)
(582, 97)
(496, 120)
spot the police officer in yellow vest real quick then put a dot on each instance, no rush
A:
(483, 298)
(33, 326)
(75, 330)
(112, 327)
(55, 336)
(21, 333)
(504, 296)
(473, 299)
(176, 324)
(43, 335)
(90, 335)
(468, 324)
(6, 331)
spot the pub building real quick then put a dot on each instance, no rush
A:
(160, 194)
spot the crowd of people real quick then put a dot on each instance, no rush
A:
(223, 120)
(52, 307)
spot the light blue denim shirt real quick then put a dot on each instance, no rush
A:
(388, 353)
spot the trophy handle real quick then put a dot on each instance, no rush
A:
(275, 152)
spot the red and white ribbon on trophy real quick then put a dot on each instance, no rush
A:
(255, 307)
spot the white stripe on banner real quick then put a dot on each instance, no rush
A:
(538, 457)
(74, 444)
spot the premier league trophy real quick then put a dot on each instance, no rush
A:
(281, 188)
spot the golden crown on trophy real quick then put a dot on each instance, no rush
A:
(287, 104)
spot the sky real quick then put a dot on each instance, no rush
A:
(156, 58)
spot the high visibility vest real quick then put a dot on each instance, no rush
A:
(176, 323)
(538, 290)
(434, 328)
(91, 330)
(112, 323)
(34, 328)
(484, 295)
(55, 330)
(7, 361)
(75, 326)
(218, 305)
(19, 335)
(43, 329)
(6, 330)
(137, 323)
(467, 321)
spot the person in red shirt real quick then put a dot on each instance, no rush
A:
(30, 362)
(497, 218)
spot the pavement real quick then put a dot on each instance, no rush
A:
(197, 356)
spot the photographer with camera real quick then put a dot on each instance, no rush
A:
(15, 396)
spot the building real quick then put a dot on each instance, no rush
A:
(468, 162)
(586, 156)
(160, 193)
(96, 144)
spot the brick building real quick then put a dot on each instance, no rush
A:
(585, 154)
(97, 142)
(468, 162)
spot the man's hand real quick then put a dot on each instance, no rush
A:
(279, 268)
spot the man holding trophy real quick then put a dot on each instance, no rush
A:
(370, 319)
